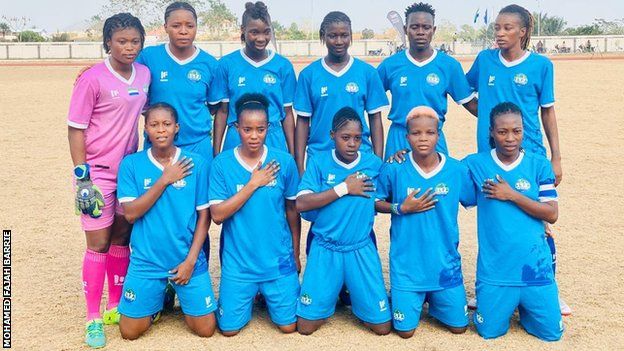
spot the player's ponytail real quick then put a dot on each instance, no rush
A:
(503, 108)
(118, 22)
(527, 20)
(251, 102)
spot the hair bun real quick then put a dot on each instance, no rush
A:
(249, 5)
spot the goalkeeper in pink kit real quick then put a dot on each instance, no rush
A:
(106, 103)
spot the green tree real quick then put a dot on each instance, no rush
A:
(4, 29)
(60, 37)
(218, 19)
(468, 33)
(591, 29)
(368, 33)
(445, 31)
(548, 25)
(294, 33)
(615, 27)
(30, 36)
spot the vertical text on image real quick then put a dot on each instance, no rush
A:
(6, 289)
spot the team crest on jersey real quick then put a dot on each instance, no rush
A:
(179, 184)
(403, 82)
(398, 316)
(441, 189)
(269, 79)
(331, 179)
(491, 80)
(194, 75)
(433, 79)
(352, 88)
(382, 305)
(164, 76)
(272, 183)
(522, 185)
(241, 81)
(323, 91)
(521, 79)
(306, 299)
(479, 318)
(129, 295)
(239, 187)
(115, 94)
(147, 183)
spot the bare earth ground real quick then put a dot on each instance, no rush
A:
(48, 305)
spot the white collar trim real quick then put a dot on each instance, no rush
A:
(509, 167)
(244, 164)
(177, 60)
(421, 63)
(515, 62)
(346, 165)
(259, 63)
(433, 172)
(151, 157)
(117, 75)
(340, 73)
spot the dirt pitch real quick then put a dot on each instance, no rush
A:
(48, 305)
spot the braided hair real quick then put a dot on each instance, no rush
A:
(255, 11)
(121, 21)
(180, 5)
(344, 116)
(504, 108)
(527, 20)
(330, 18)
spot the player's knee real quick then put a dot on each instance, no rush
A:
(406, 334)
(381, 329)
(305, 327)
(204, 331)
(287, 329)
(456, 330)
(129, 333)
(230, 333)
(99, 246)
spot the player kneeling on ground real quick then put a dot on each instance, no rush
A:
(514, 264)
(164, 192)
(340, 185)
(252, 192)
(423, 194)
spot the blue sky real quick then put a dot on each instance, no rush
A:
(61, 14)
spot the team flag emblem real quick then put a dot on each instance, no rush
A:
(133, 91)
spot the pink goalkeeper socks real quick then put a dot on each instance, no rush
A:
(116, 269)
(93, 273)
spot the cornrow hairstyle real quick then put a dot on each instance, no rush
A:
(527, 20)
(118, 22)
(254, 11)
(503, 108)
(180, 5)
(343, 116)
(330, 18)
(419, 7)
(252, 102)
(161, 106)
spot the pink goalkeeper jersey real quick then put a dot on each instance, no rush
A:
(107, 107)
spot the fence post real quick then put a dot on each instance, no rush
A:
(39, 51)
(365, 47)
(71, 53)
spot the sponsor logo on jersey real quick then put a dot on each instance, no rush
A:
(403, 82)
(522, 185)
(179, 184)
(239, 187)
(441, 189)
(521, 79)
(129, 295)
(194, 75)
(306, 299)
(208, 301)
(382, 305)
(331, 179)
(164, 76)
(491, 80)
(323, 91)
(352, 88)
(398, 316)
(269, 79)
(147, 183)
(132, 91)
(115, 94)
(241, 81)
(433, 79)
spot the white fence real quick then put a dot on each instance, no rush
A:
(304, 48)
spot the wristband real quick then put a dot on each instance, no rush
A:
(395, 208)
(81, 172)
(341, 189)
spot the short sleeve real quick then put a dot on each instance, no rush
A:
(201, 196)
(310, 182)
(547, 92)
(291, 179)
(289, 85)
(473, 74)
(376, 98)
(83, 100)
(220, 82)
(459, 89)
(468, 192)
(215, 92)
(546, 179)
(383, 75)
(303, 96)
(384, 183)
(217, 190)
(127, 189)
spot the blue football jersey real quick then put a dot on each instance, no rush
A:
(273, 77)
(321, 92)
(187, 85)
(257, 241)
(527, 82)
(347, 221)
(512, 244)
(423, 246)
(162, 238)
(426, 83)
